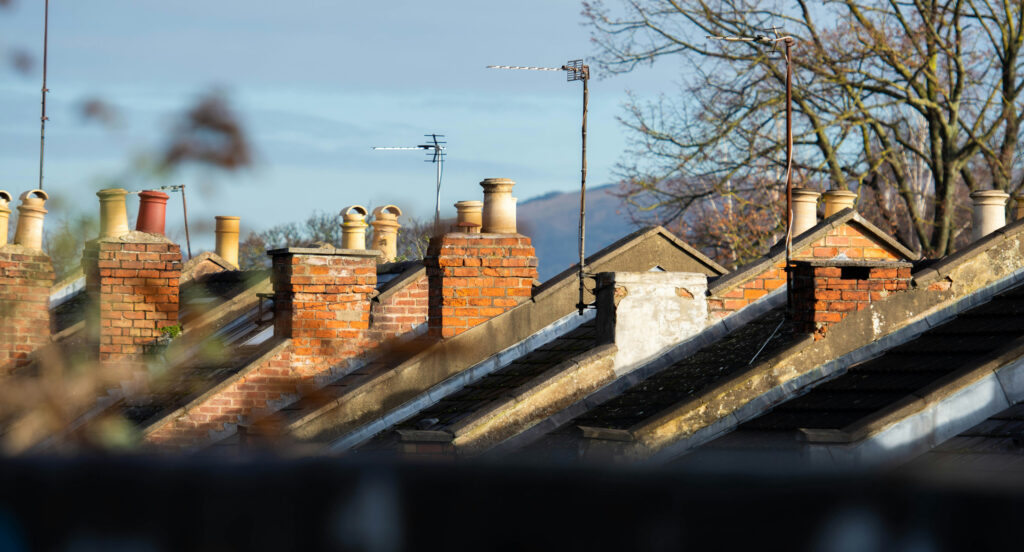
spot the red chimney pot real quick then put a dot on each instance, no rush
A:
(152, 212)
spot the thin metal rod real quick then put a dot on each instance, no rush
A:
(526, 68)
(582, 305)
(42, 119)
(437, 196)
(789, 176)
(184, 209)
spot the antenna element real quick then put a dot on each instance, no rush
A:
(575, 70)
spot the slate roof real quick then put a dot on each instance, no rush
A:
(713, 363)
(870, 386)
(498, 384)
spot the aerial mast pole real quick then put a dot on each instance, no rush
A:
(575, 71)
(43, 118)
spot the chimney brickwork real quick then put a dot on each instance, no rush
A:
(132, 282)
(825, 292)
(843, 242)
(26, 276)
(401, 312)
(322, 302)
(475, 277)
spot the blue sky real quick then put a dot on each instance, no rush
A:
(317, 84)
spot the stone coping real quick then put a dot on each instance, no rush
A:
(326, 250)
(853, 263)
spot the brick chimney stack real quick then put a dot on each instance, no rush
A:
(322, 303)
(476, 276)
(26, 276)
(131, 278)
(825, 292)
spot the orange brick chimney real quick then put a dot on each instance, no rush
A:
(476, 276)
(322, 302)
(131, 278)
(825, 292)
(26, 275)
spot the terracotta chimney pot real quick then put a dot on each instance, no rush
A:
(499, 213)
(31, 211)
(385, 231)
(989, 211)
(5, 216)
(469, 212)
(837, 200)
(353, 229)
(152, 212)
(113, 215)
(805, 210)
(226, 230)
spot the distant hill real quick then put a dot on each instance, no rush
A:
(552, 221)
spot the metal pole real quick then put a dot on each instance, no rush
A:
(437, 196)
(789, 175)
(184, 209)
(42, 120)
(581, 306)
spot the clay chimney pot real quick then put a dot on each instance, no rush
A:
(5, 216)
(353, 227)
(385, 231)
(152, 212)
(499, 213)
(805, 210)
(470, 212)
(838, 200)
(29, 232)
(113, 214)
(989, 211)
(226, 230)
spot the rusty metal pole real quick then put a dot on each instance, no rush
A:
(789, 176)
(184, 209)
(582, 305)
(42, 119)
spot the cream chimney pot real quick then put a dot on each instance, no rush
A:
(837, 200)
(385, 231)
(113, 215)
(989, 211)
(805, 210)
(499, 214)
(353, 229)
(29, 232)
(469, 213)
(226, 230)
(5, 215)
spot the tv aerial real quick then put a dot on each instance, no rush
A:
(575, 70)
(435, 154)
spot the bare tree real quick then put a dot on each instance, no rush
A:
(912, 104)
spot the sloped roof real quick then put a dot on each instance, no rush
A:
(777, 253)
